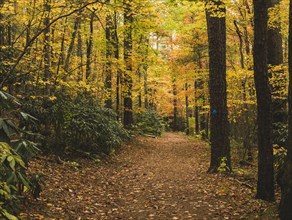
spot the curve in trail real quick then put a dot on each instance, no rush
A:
(152, 178)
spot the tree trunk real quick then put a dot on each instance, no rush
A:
(275, 58)
(175, 110)
(146, 101)
(265, 184)
(81, 75)
(219, 126)
(71, 46)
(89, 47)
(119, 71)
(187, 110)
(2, 27)
(109, 57)
(47, 45)
(197, 121)
(127, 79)
(286, 178)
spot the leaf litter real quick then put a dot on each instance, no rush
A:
(150, 178)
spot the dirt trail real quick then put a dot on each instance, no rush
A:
(152, 178)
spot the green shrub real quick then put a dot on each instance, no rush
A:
(12, 176)
(149, 122)
(15, 152)
(91, 127)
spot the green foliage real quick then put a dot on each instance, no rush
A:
(223, 166)
(280, 134)
(12, 176)
(91, 127)
(15, 152)
(149, 122)
(280, 154)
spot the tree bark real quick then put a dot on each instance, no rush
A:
(47, 44)
(275, 58)
(187, 109)
(265, 184)
(175, 110)
(109, 56)
(197, 121)
(219, 126)
(71, 46)
(89, 47)
(286, 178)
(2, 27)
(127, 79)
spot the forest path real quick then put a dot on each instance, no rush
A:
(152, 178)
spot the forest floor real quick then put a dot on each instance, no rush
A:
(150, 178)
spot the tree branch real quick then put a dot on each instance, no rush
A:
(38, 34)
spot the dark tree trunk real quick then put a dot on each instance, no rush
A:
(127, 79)
(197, 121)
(71, 46)
(187, 110)
(62, 52)
(274, 40)
(109, 57)
(219, 126)
(89, 47)
(275, 58)
(116, 53)
(265, 184)
(80, 54)
(146, 101)
(286, 178)
(175, 110)
(239, 34)
(47, 44)
(2, 27)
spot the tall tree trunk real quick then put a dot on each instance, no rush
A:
(265, 184)
(286, 178)
(119, 71)
(175, 110)
(146, 101)
(219, 126)
(81, 75)
(71, 46)
(2, 27)
(187, 109)
(197, 121)
(109, 57)
(127, 79)
(89, 47)
(47, 46)
(275, 59)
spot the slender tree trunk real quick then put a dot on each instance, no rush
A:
(119, 71)
(127, 79)
(2, 27)
(286, 178)
(197, 121)
(62, 52)
(89, 47)
(187, 109)
(109, 57)
(219, 126)
(265, 184)
(81, 75)
(146, 101)
(240, 44)
(47, 46)
(175, 110)
(71, 46)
